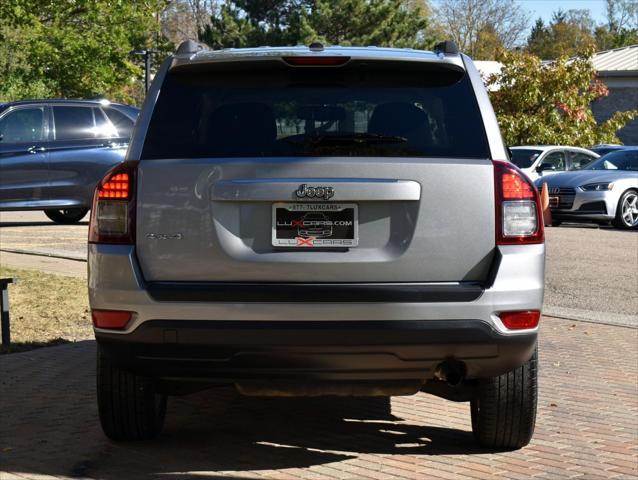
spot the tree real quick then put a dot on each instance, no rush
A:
(622, 25)
(185, 19)
(537, 32)
(568, 33)
(549, 103)
(468, 22)
(250, 23)
(488, 44)
(74, 48)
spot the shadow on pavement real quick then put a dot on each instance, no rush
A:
(38, 224)
(51, 427)
(17, 347)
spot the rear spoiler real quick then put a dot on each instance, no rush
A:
(194, 55)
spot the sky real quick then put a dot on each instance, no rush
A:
(545, 8)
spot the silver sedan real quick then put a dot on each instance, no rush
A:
(604, 191)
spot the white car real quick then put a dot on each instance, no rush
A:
(539, 160)
(604, 191)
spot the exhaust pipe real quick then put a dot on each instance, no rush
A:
(451, 371)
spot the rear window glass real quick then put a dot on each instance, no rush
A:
(121, 122)
(316, 112)
(622, 160)
(73, 123)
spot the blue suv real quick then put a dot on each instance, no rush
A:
(54, 152)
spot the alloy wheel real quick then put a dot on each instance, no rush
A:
(630, 210)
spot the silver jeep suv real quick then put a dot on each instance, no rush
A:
(427, 274)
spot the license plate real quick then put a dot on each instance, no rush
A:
(313, 225)
(553, 201)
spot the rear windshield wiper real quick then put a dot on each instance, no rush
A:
(352, 137)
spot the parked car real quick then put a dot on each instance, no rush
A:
(606, 190)
(54, 152)
(431, 278)
(541, 160)
(605, 148)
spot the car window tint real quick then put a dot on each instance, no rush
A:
(73, 123)
(383, 113)
(103, 128)
(23, 125)
(121, 122)
(580, 160)
(524, 157)
(557, 159)
(619, 160)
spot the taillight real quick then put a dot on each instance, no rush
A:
(519, 218)
(111, 319)
(315, 61)
(520, 320)
(113, 212)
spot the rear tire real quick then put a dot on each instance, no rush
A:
(128, 405)
(66, 216)
(626, 211)
(504, 410)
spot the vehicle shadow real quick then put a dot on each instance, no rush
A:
(206, 433)
(14, 223)
(593, 226)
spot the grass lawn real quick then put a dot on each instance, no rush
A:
(46, 309)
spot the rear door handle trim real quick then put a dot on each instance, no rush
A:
(35, 149)
(345, 189)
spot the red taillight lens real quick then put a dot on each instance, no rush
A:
(315, 61)
(111, 319)
(113, 212)
(516, 188)
(519, 218)
(520, 320)
(117, 186)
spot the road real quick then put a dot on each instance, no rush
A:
(591, 272)
(586, 426)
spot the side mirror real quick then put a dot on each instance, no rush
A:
(544, 167)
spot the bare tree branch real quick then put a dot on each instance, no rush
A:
(464, 20)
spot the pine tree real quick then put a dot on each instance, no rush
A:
(251, 23)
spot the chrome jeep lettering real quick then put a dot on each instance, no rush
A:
(305, 191)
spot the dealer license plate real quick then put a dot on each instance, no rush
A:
(313, 225)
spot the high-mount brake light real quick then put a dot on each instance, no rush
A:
(520, 320)
(113, 212)
(519, 217)
(315, 61)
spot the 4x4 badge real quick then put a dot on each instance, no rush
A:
(315, 192)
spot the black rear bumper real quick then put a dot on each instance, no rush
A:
(244, 351)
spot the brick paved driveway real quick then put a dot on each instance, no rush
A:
(587, 425)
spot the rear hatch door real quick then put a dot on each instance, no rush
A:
(364, 172)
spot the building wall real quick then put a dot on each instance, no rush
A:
(623, 95)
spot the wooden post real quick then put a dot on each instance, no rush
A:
(4, 310)
(547, 213)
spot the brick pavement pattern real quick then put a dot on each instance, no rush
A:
(587, 424)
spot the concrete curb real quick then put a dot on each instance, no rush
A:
(605, 318)
(44, 254)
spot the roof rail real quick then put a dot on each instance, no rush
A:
(448, 47)
(190, 46)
